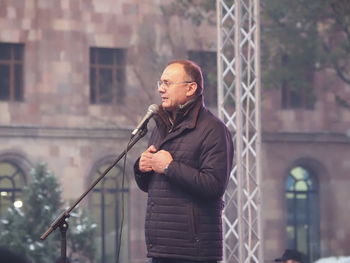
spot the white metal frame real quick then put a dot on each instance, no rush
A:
(239, 107)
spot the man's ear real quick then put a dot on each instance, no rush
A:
(191, 89)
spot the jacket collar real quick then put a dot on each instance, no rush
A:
(186, 116)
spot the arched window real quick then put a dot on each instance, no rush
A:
(12, 181)
(107, 203)
(303, 212)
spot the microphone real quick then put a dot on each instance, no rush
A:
(152, 109)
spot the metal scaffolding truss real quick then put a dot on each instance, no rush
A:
(239, 108)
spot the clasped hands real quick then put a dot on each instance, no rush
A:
(153, 160)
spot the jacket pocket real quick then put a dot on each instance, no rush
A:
(150, 229)
(193, 222)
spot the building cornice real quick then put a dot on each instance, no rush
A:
(122, 133)
(301, 137)
(63, 132)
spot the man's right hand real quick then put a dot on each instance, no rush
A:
(145, 164)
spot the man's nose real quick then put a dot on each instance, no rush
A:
(161, 89)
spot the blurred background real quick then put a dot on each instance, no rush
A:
(76, 76)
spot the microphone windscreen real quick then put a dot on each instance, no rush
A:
(153, 108)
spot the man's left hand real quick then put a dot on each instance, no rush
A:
(161, 160)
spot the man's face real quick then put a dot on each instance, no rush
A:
(290, 261)
(175, 91)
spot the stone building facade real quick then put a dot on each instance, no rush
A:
(58, 118)
(49, 114)
(317, 140)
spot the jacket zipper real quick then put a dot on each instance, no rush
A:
(194, 224)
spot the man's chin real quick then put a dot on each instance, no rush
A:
(166, 106)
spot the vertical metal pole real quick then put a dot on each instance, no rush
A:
(218, 56)
(239, 107)
(63, 229)
(258, 92)
(239, 128)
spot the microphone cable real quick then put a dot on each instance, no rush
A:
(152, 109)
(122, 213)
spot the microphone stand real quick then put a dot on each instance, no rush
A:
(61, 222)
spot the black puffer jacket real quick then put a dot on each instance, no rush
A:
(184, 206)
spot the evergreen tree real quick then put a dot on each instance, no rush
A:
(22, 227)
(82, 236)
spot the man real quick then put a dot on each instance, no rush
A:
(185, 171)
(290, 256)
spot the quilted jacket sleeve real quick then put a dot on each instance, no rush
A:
(142, 179)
